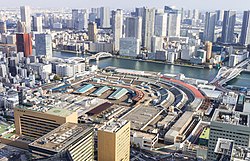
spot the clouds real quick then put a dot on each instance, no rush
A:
(129, 4)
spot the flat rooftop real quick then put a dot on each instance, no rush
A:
(205, 133)
(113, 126)
(59, 112)
(231, 117)
(61, 137)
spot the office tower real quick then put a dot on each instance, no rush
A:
(189, 14)
(148, 24)
(209, 26)
(24, 44)
(21, 28)
(70, 141)
(92, 31)
(117, 24)
(182, 14)
(245, 30)
(208, 49)
(139, 12)
(37, 23)
(195, 14)
(43, 45)
(25, 17)
(157, 44)
(116, 136)
(75, 18)
(228, 26)
(83, 19)
(174, 23)
(219, 16)
(133, 27)
(105, 17)
(3, 70)
(228, 125)
(3, 28)
(129, 46)
(161, 24)
(33, 123)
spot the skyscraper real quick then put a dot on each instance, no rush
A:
(3, 27)
(75, 18)
(209, 26)
(105, 17)
(24, 44)
(174, 23)
(37, 23)
(25, 17)
(133, 27)
(245, 30)
(43, 45)
(117, 24)
(148, 24)
(92, 31)
(228, 26)
(195, 14)
(116, 136)
(161, 24)
(83, 19)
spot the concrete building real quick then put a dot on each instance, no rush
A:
(195, 14)
(174, 22)
(210, 23)
(37, 23)
(228, 26)
(219, 17)
(148, 22)
(105, 17)
(3, 27)
(144, 140)
(200, 57)
(208, 49)
(187, 52)
(24, 44)
(235, 59)
(34, 122)
(245, 30)
(161, 24)
(133, 27)
(157, 43)
(69, 141)
(101, 47)
(116, 136)
(129, 46)
(228, 125)
(92, 31)
(83, 19)
(117, 26)
(43, 45)
(25, 17)
(161, 55)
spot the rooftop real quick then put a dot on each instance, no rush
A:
(113, 126)
(61, 137)
(59, 112)
(205, 134)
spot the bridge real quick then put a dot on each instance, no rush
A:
(99, 56)
(226, 74)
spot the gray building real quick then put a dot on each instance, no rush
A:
(173, 22)
(129, 46)
(43, 45)
(209, 26)
(133, 27)
(245, 30)
(25, 17)
(105, 17)
(228, 26)
(37, 23)
(117, 26)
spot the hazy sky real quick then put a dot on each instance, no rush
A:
(128, 4)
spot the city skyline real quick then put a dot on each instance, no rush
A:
(191, 4)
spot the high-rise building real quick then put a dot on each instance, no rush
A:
(37, 23)
(117, 25)
(116, 136)
(43, 45)
(219, 16)
(228, 26)
(83, 19)
(3, 28)
(24, 44)
(133, 27)
(129, 46)
(161, 24)
(25, 17)
(245, 30)
(173, 22)
(209, 26)
(195, 14)
(34, 123)
(75, 18)
(21, 27)
(105, 17)
(92, 31)
(208, 48)
(148, 24)
(70, 141)
(228, 125)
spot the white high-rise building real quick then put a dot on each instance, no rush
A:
(195, 14)
(43, 45)
(38, 23)
(105, 17)
(148, 24)
(157, 43)
(174, 23)
(161, 24)
(228, 125)
(25, 17)
(129, 46)
(133, 27)
(245, 30)
(83, 19)
(209, 26)
(117, 19)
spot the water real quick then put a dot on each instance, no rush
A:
(205, 74)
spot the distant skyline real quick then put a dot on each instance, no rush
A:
(130, 4)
